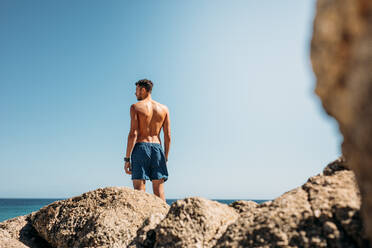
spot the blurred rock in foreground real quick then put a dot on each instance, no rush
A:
(341, 55)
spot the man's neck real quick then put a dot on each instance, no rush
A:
(148, 98)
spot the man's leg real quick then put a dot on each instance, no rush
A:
(139, 184)
(158, 188)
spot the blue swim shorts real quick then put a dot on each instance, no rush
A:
(148, 162)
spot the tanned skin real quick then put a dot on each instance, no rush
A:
(147, 118)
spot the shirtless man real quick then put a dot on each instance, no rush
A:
(145, 158)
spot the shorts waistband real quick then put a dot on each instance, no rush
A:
(148, 143)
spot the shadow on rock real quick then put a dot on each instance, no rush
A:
(29, 237)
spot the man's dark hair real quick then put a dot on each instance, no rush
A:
(145, 83)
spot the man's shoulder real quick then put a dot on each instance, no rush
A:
(163, 106)
(136, 105)
(133, 106)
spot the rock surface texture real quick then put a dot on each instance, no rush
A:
(108, 217)
(19, 233)
(341, 54)
(324, 212)
(194, 222)
(146, 234)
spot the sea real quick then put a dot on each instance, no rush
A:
(10, 208)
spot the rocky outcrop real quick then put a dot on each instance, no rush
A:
(19, 233)
(108, 217)
(341, 55)
(194, 222)
(324, 212)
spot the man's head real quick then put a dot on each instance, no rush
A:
(143, 89)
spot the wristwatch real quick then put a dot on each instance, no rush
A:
(127, 159)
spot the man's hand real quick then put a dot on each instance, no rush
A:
(128, 168)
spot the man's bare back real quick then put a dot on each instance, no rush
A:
(144, 146)
(151, 117)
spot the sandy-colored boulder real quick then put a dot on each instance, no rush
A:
(19, 233)
(324, 212)
(108, 217)
(341, 55)
(194, 222)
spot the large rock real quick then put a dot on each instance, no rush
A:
(324, 212)
(194, 222)
(108, 217)
(341, 55)
(19, 233)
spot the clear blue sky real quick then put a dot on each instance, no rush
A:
(236, 76)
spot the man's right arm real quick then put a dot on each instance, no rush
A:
(167, 134)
